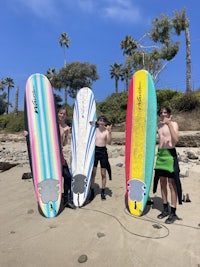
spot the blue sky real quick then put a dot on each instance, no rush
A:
(30, 31)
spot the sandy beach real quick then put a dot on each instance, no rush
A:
(104, 231)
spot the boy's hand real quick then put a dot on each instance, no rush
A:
(109, 128)
(67, 129)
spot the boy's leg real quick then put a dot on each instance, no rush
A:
(94, 171)
(103, 175)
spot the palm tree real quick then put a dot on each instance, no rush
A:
(64, 42)
(51, 75)
(16, 100)
(2, 84)
(115, 72)
(126, 73)
(129, 45)
(10, 83)
(181, 23)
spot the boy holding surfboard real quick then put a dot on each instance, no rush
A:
(167, 167)
(64, 131)
(103, 137)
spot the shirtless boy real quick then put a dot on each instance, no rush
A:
(103, 137)
(167, 168)
(64, 131)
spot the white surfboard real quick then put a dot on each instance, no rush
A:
(83, 144)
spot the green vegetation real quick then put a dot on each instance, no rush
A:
(162, 47)
(12, 123)
(114, 107)
(157, 52)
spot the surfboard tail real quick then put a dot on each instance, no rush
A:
(83, 144)
(43, 143)
(141, 124)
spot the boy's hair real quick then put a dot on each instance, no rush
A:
(102, 117)
(164, 107)
(63, 107)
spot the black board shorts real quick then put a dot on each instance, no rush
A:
(101, 155)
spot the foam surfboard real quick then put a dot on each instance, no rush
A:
(141, 125)
(43, 142)
(82, 144)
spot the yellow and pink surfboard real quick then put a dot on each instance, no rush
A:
(43, 142)
(141, 125)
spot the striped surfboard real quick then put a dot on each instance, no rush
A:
(43, 142)
(141, 125)
(83, 144)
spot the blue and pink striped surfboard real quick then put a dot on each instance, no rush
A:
(43, 143)
(141, 127)
(83, 144)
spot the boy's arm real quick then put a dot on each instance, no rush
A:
(109, 134)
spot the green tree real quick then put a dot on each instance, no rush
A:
(181, 23)
(51, 74)
(3, 104)
(115, 72)
(77, 75)
(10, 84)
(162, 31)
(53, 77)
(155, 56)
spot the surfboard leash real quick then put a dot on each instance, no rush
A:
(126, 229)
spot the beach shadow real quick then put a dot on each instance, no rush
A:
(97, 190)
(40, 211)
(61, 209)
(156, 204)
(147, 209)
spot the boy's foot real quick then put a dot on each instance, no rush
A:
(70, 205)
(163, 214)
(103, 197)
(171, 218)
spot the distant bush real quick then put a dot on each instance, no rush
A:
(114, 107)
(187, 102)
(3, 121)
(167, 97)
(12, 123)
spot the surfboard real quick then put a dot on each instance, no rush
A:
(82, 144)
(141, 125)
(43, 142)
